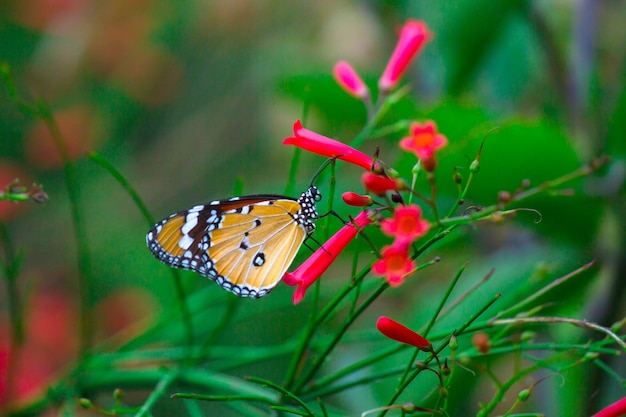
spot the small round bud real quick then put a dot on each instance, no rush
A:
(474, 166)
(392, 173)
(118, 394)
(429, 164)
(397, 198)
(504, 197)
(481, 342)
(457, 177)
(409, 408)
(445, 370)
(524, 394)
(454, 344)
(85, 403)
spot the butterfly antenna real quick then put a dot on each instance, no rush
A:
(324, 165)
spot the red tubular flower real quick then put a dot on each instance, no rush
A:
(356, 200)
(617, 409)
(379, 184)
(395, 264)
(350, 81)
(321, 145)
(400, 333)
(306, 274)
(407, 224)
(413, 36)
(424, 140)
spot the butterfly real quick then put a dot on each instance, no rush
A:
(245, 244)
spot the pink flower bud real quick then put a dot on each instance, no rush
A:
(349, 80)
(413, 36)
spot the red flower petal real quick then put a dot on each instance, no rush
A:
(400, 333)
(321, 145)
(407, 224)
(617, 409)
(424, 140)
(395, 264)
(306, 274)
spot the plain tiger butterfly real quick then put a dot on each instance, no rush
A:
(245, 244)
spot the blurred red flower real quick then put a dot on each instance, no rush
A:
(80, 131)
(50, 343)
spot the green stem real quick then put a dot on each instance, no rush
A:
(283, 391)
(344, 327)
(157, 393)
(181, 294)
(80, 232)
(440, 348)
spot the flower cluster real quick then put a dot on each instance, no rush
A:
(407, 223)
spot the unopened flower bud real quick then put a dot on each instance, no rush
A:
(357, 200)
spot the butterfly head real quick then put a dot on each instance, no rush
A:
(308, 213)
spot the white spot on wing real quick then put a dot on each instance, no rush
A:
(190, 222)
(185, 242)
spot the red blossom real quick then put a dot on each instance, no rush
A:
(395, 264)
(400, 333)
(349, 80)
(310, 270)
(321, 145)
(413, 36)
(406, 225)
(380, 184)
(617, 409)
(424, 140)
(356, 200)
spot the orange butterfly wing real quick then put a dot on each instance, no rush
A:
(244, 244)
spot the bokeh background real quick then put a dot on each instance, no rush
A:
(190, 100)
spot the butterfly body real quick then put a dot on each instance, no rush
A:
(245, 244)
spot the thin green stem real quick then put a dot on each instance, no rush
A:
(80, 232)
(283, 391)
(115, 173)
(10, 267)
(157, 393)
(401, 387)
(433, 319)
(516, 308)
(181, 294)
(386, 105)
(344, 327)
